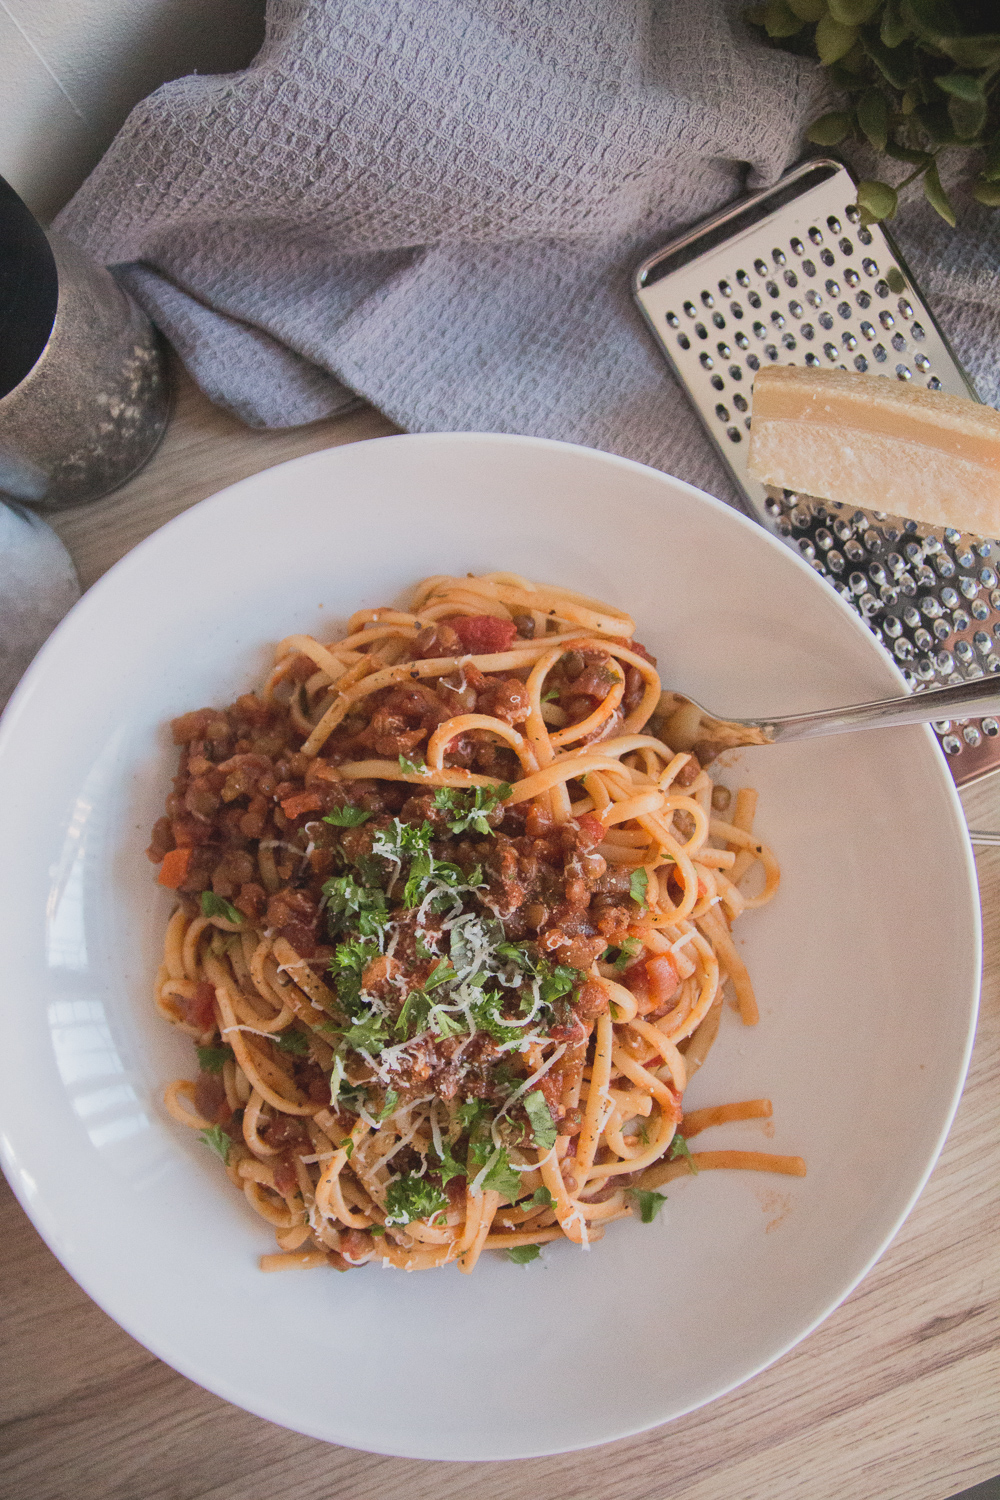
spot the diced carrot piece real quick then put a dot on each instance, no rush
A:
(302, 802)
(174, 868)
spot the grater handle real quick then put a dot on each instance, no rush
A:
(966, 700)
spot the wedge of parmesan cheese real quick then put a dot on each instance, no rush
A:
(869, 441)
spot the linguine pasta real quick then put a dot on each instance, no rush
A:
(453, 929)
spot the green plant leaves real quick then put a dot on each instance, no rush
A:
(987, 193)
(808, 10)
(853, 12)
(829, 130)
(834, 40)
(877, 201)
(936, 195)
(873, 117)
(972, 51)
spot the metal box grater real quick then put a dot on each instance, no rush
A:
(790, 275)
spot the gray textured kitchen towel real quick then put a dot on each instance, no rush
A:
(438, 206)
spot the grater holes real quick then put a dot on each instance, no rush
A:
(684, 341)
(754, 299)
(760, 330)
(807, 331)
(772, 289)
(869, 266)
(867, 331)
(833, 288)
(723, 349)
(845, 309)
(922, 363)
(725, 288)
(853, 213)
(734, 434)
(833, 223)
(706, 360)
(790, 278)
(701, 330)
(809, 267)
(760, 266)
(722, 412)
(740, 402)
(827, 258)
(717, 383)
(673, 320)
(861, 363)
(778, 319)
(690, 309)
(904, 307)
(813, 298)
(746, 423)
(743, 278)
(789, 341)
(741, 341)
(933, 384)
(886, 318)
(736, 310)
(796, 309)
(851, 277)
(811, 359)
(707, 299)
(778, 256)
(735, 372)
(797, 245)
(903, 372)
(863, 300)
(880, 354)
(831, 352)
(846, 246)
(753, 363)
(816, 235)
(882, 288)
(770, 351)
(917, 332)
(718, 320)
(898, 343)
(825, 320)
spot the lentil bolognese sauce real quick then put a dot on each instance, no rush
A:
(454, 907)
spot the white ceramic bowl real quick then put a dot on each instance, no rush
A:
(866, 965)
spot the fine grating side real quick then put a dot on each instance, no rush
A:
(790, 276)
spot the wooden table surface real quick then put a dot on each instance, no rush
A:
(895, 1396)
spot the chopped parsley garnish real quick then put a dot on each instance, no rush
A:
(413, 767)
(501, 1177)
(412, 1197)
(625, 953)
(638, 885)
(542, 1124)
(550, 695)
(679, 1150)
(214, 1059)
(542, 1198)
(215, 906)
(391, 1100)
(468, 809)
(471, 1113)
(649, 1203)
(368, 1035)
(216, 1139)
(348, 964)
(347, 1146)
(294, 1042)
(449, 1165)
(350, 905)
(521, 1254)
(347, 816)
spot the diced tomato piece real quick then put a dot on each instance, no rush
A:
(174, 868)
(285, 1179)
(482, 635)
(210, 1099)
(200, 1009)
(636, 979)
(302, 802)
(663, 978)
(592, 828)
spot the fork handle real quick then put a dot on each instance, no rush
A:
(966, 700)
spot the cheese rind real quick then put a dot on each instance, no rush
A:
(870, 441)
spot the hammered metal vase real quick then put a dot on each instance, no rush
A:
(91, 409)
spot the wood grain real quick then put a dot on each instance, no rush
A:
(895, 1395)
